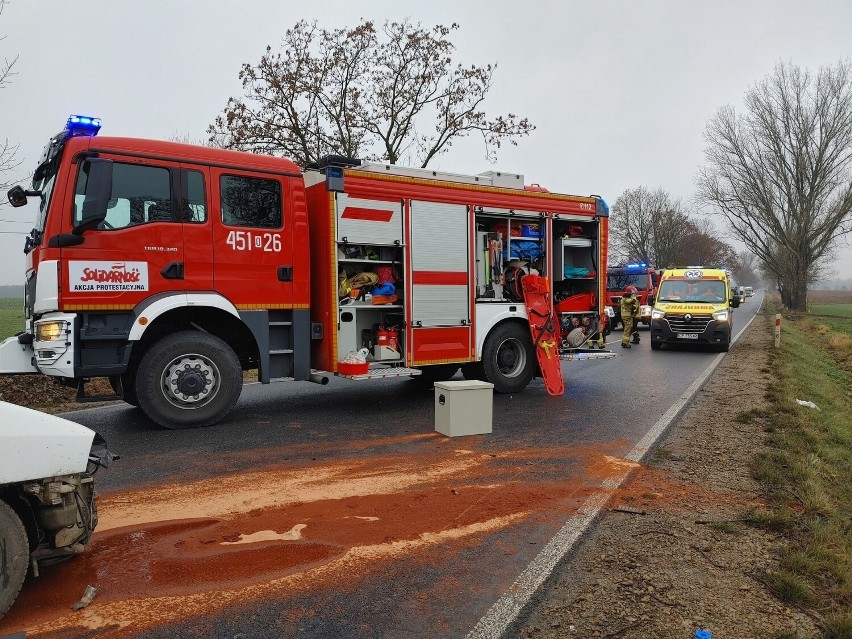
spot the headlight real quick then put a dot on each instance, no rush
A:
(645, 310)
(609, 312)
(657, 314)
(721, 316)
(50, 331)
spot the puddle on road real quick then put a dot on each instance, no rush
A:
(268, 535)
(276, 532)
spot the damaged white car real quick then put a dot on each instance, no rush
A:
(47, 496)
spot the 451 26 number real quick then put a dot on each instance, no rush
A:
(248, 241)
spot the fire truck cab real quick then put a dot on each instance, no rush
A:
(645, 278)
(171, 269)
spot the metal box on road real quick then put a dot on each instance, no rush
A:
(463, 407)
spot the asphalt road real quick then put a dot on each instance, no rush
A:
(548, 454)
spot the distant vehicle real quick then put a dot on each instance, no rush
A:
(749, 291)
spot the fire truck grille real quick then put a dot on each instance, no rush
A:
(696, 324)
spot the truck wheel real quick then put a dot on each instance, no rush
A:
(508, 360)
(14, 556)
(188, 379)
(437, 373)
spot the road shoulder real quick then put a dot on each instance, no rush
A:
(673, 551)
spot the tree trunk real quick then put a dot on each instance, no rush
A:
(799, 295)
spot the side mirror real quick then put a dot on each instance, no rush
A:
(18, 196)
(651, 300)
(98, 191)
(735, 301)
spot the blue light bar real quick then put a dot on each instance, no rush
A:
(82, 125)
(640, 265)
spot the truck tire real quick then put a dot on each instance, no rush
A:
(188, 380)
(14, 556)
(508, 358)
(437, 373)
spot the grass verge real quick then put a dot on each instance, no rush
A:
(808, 471)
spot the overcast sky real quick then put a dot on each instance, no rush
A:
(620, 91)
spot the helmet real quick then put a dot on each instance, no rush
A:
(630, 290)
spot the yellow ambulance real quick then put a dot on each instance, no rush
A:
(694, 305)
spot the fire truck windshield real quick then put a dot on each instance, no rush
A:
(620, 281)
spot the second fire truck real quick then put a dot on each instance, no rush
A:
(171, 269)
(645, 278)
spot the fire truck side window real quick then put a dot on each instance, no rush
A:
(253, 202)
(196, 202)
(139, 194)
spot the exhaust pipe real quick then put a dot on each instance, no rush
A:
(319, 378)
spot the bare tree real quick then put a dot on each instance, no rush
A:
(8, 162)
(701, 245)
(394, 95)
(747, 271)
(782, 173)
(648, 226)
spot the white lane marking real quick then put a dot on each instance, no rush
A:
(495, 623)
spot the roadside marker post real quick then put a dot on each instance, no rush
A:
(778, 330)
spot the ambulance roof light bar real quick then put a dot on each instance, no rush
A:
(82, 125)
(639, 265)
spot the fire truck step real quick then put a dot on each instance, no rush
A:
(281, 351)
(385, 371)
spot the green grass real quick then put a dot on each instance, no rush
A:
(808, 471)
(11, 317)
(844, 310)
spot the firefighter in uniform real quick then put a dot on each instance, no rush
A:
(629, 316)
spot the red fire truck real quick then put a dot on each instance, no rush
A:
(171, 269)
(645, 278)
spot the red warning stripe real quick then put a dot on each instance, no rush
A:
(371, 215)
(439, 277)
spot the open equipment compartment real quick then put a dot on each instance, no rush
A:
(509, 244)
(576, 278)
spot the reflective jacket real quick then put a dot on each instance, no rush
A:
(630, 306)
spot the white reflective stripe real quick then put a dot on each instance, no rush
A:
(179, 300)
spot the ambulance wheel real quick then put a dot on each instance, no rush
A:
(188, 379)
(14, 558)
(655, 346)
(437, 373)
(724, 347)
(508, 359)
